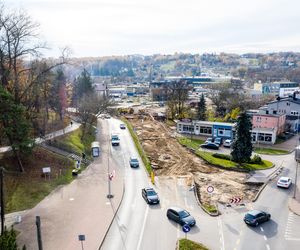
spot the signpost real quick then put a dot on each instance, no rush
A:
(47, 172)
(186, 228)
(210, 189)
(81, 237)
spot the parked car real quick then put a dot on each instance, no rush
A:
(150, 196)
(228, 143)
(218, 141)
(209, 140)
(134, 162)
(256, 217)
(122, 126)
(284, 182)
(210, 146)
(180, 216)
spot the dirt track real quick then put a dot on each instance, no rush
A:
(169, 158)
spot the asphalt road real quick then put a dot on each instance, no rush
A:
(139, 226)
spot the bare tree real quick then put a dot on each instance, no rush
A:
(90, 106)
(177, 97)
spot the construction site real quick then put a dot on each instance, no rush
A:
(169, 158)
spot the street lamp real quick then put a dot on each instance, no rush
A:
(109, 175)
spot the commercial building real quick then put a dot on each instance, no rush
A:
(282, 89)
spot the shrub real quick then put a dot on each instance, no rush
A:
(222, 156)
(256, 159)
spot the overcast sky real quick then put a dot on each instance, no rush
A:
(120, 27)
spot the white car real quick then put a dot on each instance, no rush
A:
(227, 143)
(284, 182)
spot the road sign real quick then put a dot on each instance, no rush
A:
(111, 175)
(235, 200)
(186, 228)
(81, 237)
(210, 189)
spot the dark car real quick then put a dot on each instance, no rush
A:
(209, 145)
(150, 196)
(122, 126)
(134, 162)
(218, 141)
(256, 217)
(181, 216)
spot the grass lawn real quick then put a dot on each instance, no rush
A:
(270, 151)
(208, 157)
(185, 244)
(72, 142)
(191, 143)
(25, 190)
(138, 145)
(210, 208)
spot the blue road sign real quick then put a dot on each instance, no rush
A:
(81, 237)
(186, 228)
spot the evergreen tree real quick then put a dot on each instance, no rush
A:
(58, 93)
(15, 125)
(83, 85)
(201, 114)
(242, 146)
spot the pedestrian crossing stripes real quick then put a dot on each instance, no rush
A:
(292, 232)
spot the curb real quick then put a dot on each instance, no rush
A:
(105, 235)
(200, 204)
(291, 208)
(276, 172)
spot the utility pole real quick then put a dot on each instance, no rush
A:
(2, 199)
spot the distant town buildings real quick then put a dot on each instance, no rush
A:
(281, 89)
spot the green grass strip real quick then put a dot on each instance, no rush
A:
(191, 143)
(185, 244)
(138, 145)
(270, 151)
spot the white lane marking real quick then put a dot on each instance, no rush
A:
(71, 199)
(143, 228)
(261, 229)
(178, 232)
(268, 247)
(265, 237)
(221, 234)
(296, 239)
(238, 242)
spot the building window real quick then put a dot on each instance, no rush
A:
(274, 112)
(205, 130)
(197, 127)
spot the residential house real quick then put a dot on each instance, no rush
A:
(289, 106)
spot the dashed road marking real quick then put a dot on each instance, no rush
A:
(71, 199)
(268, 247)
(261, 229)
(265, 237)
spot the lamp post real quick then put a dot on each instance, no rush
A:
(109, 178)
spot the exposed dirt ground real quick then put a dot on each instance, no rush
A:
(168, 157)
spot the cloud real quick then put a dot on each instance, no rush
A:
(104, 27)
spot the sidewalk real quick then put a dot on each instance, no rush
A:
(294, 203)
(78, 208)
(49, 136)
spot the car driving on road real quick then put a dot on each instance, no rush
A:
(181, 216)
(122, 126)
(150, 196)
(256, 217)
(284, 182)
(133, 162)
